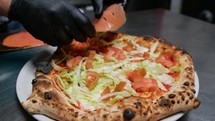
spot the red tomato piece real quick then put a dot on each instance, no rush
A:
(79, 104)
(128, 48)
(113, 51)
(92, 79)
(145, 85)
(62, 65)
(73, 62)
(21, 39)
(80, 45)
(119, 87)
(167, 86)
(136, 75)
(108, 55)
(166, 60)
(106, 91)
(137, 55)
(147, 56)
(112, 19)
(174, 74)
(90, 59)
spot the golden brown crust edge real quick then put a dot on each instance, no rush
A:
(181, 99)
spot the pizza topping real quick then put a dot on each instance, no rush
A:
(74, 62)
(21, 39)
(48, 95)
(152, 53)
(164, 78)
(92, 79)
(165, 60)
(106, 91)
(90, 59)
(174, 74)
(112, 19)
(120, 86)
(136, 74)
(97, 78)
(145, 85)
(167, 86)
(113, 51)
(128, 114)
(56, 66)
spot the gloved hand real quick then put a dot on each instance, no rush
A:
(100, 5)
(55, 22)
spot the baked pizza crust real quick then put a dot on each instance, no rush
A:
(47, 97)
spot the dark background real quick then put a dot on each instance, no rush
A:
(200, 9)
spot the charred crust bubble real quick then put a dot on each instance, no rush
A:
(171, 95)
(48, 95)
(34, 81)
(44, 68)
(173, 101)
(34, 101)
(193, 90)
(182, 97)
(128, 114)
(147, 38)
(138, 104)
(183, 51)
(164, 102)
(188, 94)
(186, 83)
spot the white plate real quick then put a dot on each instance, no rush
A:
(24, 86)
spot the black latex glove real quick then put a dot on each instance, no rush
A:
(100, 5)
(56, 22)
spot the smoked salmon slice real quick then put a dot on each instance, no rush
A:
(111, 20)
(21, 39)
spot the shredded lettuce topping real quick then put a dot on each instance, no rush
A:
(111, 73)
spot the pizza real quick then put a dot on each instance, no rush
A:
(114, 76)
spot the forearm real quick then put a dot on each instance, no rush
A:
(4, 7)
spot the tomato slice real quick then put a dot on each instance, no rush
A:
(79, 104)
(165, 60)
(145, 85)
(90, 59)
(106, 91)
(174, 74)
(167, 86)
(112, 19)
(92, 79)
(21, 39)
(80, 45)
(128, 48)
(146, 55)
(108, 55)
(136, 75)
(73, 62)
(113, 51)
(119, 87)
